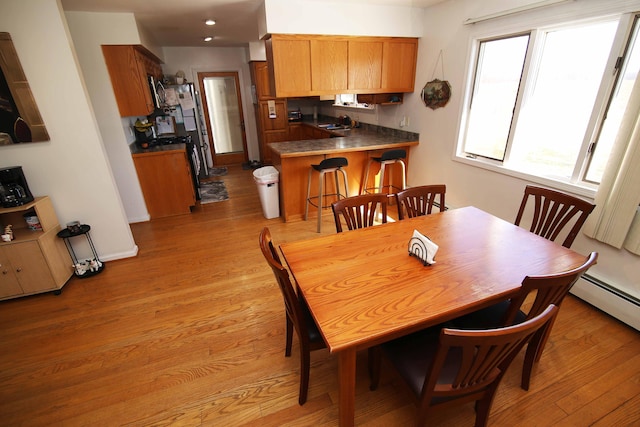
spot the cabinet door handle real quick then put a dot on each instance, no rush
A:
(18, 269)
(4, 272)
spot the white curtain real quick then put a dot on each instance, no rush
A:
(616, 218)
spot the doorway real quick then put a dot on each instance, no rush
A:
(222, 106)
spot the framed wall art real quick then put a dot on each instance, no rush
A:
(436, 93)
(20, 119)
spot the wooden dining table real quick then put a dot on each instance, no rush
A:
(363, 288)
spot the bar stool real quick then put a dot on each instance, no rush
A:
(335, 165)
(389, 157)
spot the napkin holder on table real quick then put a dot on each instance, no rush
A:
(423, 248)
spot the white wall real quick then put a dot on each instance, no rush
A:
(339, 18)
(207, 59)
(89, 31)
(432, 161)
(72, 168)
(257, 51)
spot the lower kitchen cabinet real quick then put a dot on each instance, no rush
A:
(36, 260)
(165, 179)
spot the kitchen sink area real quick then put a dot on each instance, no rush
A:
(333, 126)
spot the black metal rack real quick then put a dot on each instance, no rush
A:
(82, 269)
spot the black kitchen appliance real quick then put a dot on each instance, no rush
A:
(295, 116)
(14, 190)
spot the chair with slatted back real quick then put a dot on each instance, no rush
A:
(417, 201)
(554, 210)
(296, 313)
(360, 211)
(448, 367)
(544, 290)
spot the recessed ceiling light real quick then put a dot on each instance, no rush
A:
(208, 39)
(210, 22)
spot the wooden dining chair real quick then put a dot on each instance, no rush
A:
(553, 211)
(360, 211)
(536, 293)
(449, 367)
(417, 201)
(297, 315)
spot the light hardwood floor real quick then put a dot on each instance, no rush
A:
(191, 333)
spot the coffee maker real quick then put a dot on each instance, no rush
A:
(14, 190)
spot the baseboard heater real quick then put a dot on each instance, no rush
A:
(615, 302)
(617, 292)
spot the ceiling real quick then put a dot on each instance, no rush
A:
(181, 22)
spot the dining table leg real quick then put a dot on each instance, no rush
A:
(347, 381)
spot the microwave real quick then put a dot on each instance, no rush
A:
(295, 115)
(153, 87)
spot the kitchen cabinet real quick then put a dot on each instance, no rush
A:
(290, 59)
(36, 260)
(301, 131)
(129, 68)
(365, 65)
(329, 64)
(261, 80)
(304, 65)
(165, 179)
(296, 131)
(270, 129)
(399, 65)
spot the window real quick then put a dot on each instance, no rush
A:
(535, 103)
(612, 117)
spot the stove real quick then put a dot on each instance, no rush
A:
(169, 140)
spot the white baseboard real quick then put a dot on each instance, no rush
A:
(120, 255)
(143, 218)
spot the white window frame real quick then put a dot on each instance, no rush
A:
(576, 184)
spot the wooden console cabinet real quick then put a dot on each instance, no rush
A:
(35, 261)
(165, 179)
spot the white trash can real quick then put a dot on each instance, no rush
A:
(267, 179)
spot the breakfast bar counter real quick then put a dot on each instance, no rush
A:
(293, 159)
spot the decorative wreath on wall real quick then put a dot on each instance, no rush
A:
(437, 93)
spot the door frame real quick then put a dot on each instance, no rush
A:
(224, 158)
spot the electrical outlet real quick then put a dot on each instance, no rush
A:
(406, 121)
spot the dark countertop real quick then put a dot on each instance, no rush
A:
(366, 137)
(135, 149)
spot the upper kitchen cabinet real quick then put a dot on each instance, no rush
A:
(304, 65)
(129, 68)
(399, 57)
(365, 65)
(261, 80)
(329, 65)
(290, 57)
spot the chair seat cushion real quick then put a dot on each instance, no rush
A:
(312, 328)
(391, 155)
(487, 318)
(331, 163)
(412, 356)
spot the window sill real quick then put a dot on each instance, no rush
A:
(584, 190)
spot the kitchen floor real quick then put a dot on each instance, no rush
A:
(191, 332)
